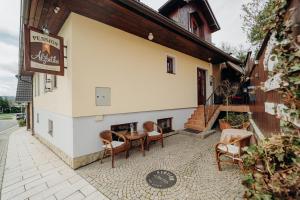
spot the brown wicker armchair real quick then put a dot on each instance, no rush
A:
(152, 134)
(232, 150)
(112, 147)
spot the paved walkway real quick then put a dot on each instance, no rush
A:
(32, 171)
(190, 158)
(4, 136)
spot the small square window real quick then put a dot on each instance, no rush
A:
(50, 127)
(170, 65)
(37, 118)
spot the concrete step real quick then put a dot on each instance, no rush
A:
(205, 134)
(202, 135)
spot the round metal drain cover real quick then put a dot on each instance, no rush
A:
(161, 179)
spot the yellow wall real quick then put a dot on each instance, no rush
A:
(59, 100)
(133, 67)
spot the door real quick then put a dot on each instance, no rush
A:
(201, 81)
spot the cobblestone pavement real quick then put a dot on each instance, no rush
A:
(32, 171)
(191, 159)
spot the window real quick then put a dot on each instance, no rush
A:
(37, 118)
(170, 65)
(50, 127)
(196, 25)
(54, 82)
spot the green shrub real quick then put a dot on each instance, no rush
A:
(236, 119)
(22, 122)
(273, 169)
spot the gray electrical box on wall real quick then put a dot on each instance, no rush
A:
(103, 95)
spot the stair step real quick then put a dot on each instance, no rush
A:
(197, 117)
(196, 122)
(199, 112)
(195, 127)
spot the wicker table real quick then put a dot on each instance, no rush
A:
(136, 137)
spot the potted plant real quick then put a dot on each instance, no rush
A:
(227, 90)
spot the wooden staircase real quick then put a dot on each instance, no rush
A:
(197, 119)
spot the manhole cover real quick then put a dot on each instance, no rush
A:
(161, 179)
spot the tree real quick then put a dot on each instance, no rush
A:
(257, 14)
(4, 105)
(239, 52)
(228, 90)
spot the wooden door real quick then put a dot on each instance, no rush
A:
(201, 81)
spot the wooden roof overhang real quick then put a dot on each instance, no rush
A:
(127, 15)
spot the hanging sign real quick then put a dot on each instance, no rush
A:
(44, 53)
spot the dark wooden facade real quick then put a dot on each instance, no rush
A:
(191, 16)
(268, 124)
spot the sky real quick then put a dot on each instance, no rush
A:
(227, 13)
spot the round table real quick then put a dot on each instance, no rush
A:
(136, 136)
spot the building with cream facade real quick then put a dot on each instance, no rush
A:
(126, 64)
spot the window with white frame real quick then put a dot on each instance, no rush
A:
(171, 63)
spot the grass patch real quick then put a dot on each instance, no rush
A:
(6, 116)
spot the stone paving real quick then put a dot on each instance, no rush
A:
(32, 171)
(190, 158)
(4, 136)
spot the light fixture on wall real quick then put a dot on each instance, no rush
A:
(150, 36)
(56, 9)
(45, 29)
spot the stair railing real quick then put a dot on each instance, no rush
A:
(211, 104)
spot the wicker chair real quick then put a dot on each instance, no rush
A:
(232, 150)
(112, 147)
(152, 134)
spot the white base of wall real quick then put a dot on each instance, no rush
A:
(80, 136)
(87, 129)
(62, 136)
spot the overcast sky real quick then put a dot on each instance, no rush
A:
(227, 13)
